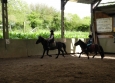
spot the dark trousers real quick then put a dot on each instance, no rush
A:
(49, 43)
(88, 48)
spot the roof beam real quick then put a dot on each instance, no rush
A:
(85, 1)
(97, 4)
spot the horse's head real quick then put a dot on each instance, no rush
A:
(39, 40)
(78, 42)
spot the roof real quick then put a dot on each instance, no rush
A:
(109, 9)
(85, 1)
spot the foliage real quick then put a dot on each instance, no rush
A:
(45, 34)
(83, 28)
(73, 22)
(17, 10)
(32, 18)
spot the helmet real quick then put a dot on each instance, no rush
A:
(51, 31)
(90, 36)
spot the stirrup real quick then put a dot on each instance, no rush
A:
(49, 47)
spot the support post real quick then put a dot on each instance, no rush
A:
(62, 23)
(114, 36)
(5, 22)
(93, 23)
(63, 2)
(5, 19)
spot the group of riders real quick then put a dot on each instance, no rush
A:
(51, 40)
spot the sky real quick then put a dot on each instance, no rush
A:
(81, 10)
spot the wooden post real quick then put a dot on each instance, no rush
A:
(93, 21)
(91, 26)
(63, 2)
(5, 22)
(5, 19)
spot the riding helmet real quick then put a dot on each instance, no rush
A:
(51, 31)
(90, 36)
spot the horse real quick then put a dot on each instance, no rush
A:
(93, 48)
(58, 45)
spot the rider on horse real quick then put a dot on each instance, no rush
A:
(90, 42)
(51, 38)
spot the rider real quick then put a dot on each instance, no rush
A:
(51, 38)
(90, 42)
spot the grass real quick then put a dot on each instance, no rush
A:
(45, 33)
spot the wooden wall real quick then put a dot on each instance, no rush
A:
(105, 38)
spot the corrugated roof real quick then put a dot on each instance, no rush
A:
(85, 1)
(109, 9)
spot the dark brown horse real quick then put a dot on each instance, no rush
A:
(59, 46)
(93, 48)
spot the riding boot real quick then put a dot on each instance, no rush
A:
(48, 45)
(88, 49)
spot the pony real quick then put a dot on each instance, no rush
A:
(93, 48)
(58, 45)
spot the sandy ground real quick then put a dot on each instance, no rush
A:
(70, 69)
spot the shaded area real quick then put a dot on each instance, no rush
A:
(50, 70)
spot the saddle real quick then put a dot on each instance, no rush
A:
(91, 47)
(53, 45)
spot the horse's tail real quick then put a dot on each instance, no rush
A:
(101, 52)
(64, 47)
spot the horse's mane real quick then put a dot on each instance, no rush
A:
(83, 44)
(42, 38)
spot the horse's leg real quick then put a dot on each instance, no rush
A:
(64, 48)
(94, 54)
(62, 52)
(80, 54)
(65, 51)
(48, 53)
(101, 52)
(95, 51)
(43, 53)
(102, 55)
(87, 53)
(58, 53)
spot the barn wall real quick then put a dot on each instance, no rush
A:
(99, 14)
(25, 48)
(107, 44)
(114, 23)
(106, 39)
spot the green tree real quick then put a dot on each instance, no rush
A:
(17, 11)
(86, 20)
(56, 22)
(34, 20)
(72, 21)
(49, 17)
(85, 24)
